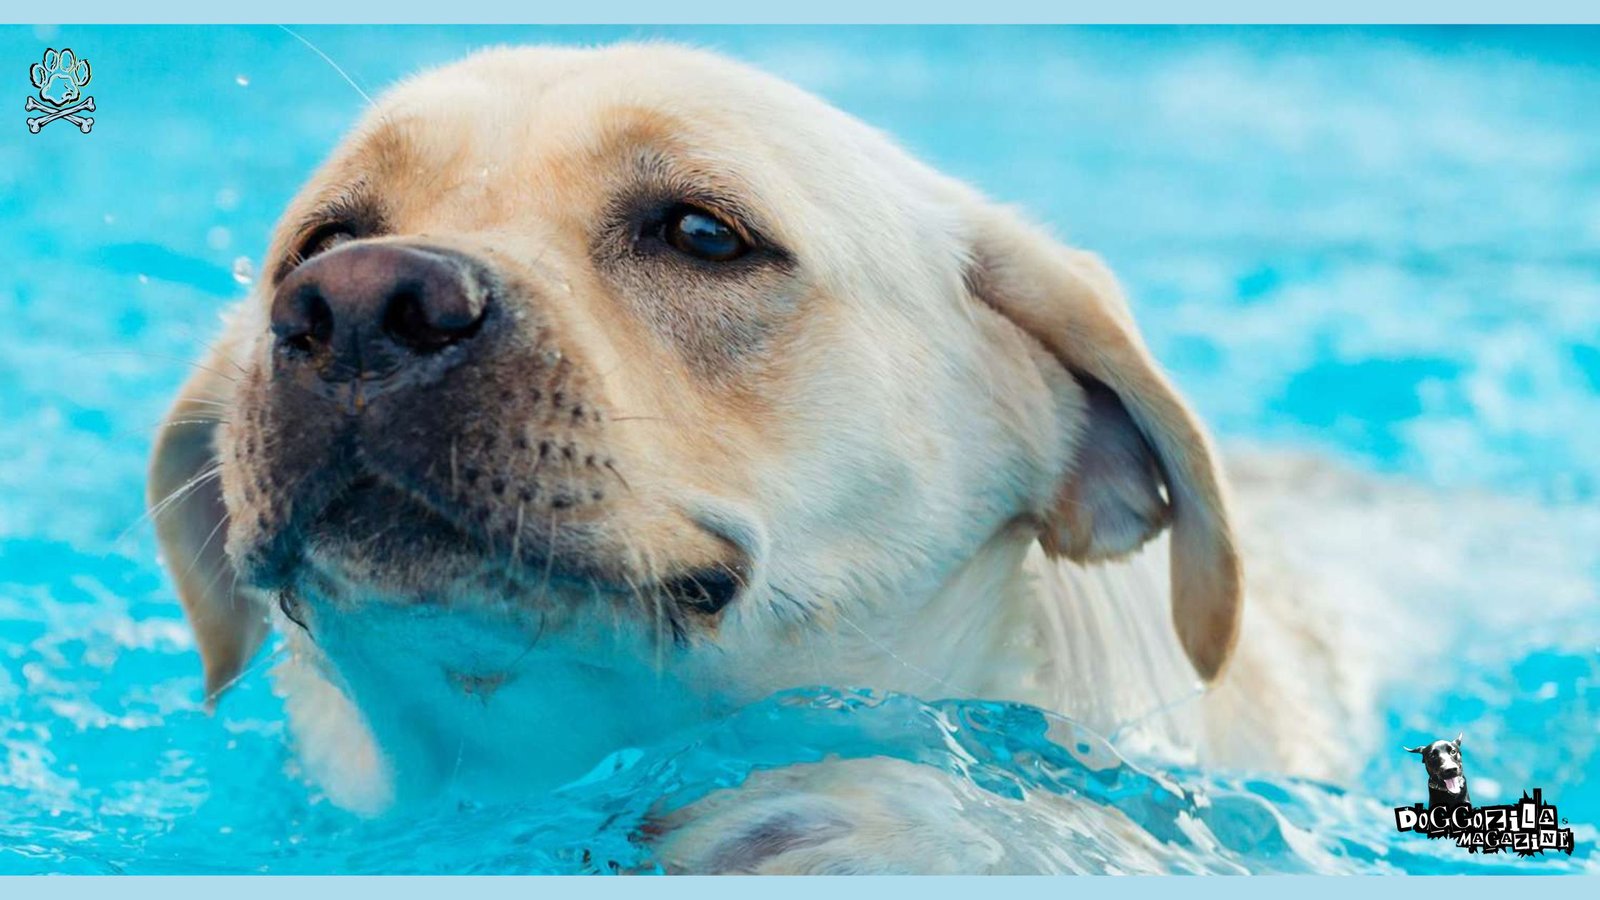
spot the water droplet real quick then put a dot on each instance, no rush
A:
(108, 218)
(143, 278)
(241, 81)
(243, 271)
(218, 238)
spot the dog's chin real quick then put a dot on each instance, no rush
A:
(374, 541)
(377, 540)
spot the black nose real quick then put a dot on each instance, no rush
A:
(366, 311)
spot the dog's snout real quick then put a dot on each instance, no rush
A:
(369, 310)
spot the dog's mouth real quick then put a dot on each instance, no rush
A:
(371, 504)
(376, 538)
(1451, 781)
(358, 526)
(373, 525)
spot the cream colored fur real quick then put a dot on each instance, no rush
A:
(946, 474)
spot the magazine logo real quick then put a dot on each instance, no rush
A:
(1527, 828)
(59, 80)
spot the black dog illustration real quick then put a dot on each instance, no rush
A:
(1447, 780)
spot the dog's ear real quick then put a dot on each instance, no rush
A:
(1422, 749)
(184, 492)
(1458, 740)
(1141, 459)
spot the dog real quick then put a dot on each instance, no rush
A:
(1447, 778)
(669, 386)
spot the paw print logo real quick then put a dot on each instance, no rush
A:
(60, 79)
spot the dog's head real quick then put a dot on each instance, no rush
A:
(639, 349)
(1443, 760)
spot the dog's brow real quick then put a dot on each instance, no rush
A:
(663, 175)
(354, 206)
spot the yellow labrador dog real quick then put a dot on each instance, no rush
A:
(668, 386)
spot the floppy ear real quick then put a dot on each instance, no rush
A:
(1141, 459)
(184, 492)
(1421, 749)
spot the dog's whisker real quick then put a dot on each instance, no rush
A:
(516, 538)
(549, 559)
(329, 60)
(207, 398)
(955, 692)
(641, 603)
(534, 642)
(461, 753)
(200, 553)
(277, 652)
(161, 356)
(233, 589)
(210, 348)
(612, 468)
(174, 423)
(1161, 708)
(176, 495)
(203, 407)
(198, 397)
(115, 438)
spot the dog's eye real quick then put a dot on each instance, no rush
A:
(324, 238)
(698, 233)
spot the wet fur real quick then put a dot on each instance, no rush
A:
(926, 433)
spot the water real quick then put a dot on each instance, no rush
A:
(1379, 246)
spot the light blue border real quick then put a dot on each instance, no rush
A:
(1517, 887)
(751, 12)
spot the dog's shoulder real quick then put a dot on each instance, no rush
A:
(885, 816)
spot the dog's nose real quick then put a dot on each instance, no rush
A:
(366, 311)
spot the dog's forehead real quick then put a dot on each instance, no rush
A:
(560, 111)
(540, 143)
(559, 128)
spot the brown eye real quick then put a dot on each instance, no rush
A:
(700, 234)
(325, 238)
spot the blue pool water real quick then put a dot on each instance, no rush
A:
(1379, 246)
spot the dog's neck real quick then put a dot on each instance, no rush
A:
(391, 706)
(1094, 644)
(971, 635)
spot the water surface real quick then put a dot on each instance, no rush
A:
(1379, 246)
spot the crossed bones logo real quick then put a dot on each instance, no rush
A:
(60, 79)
